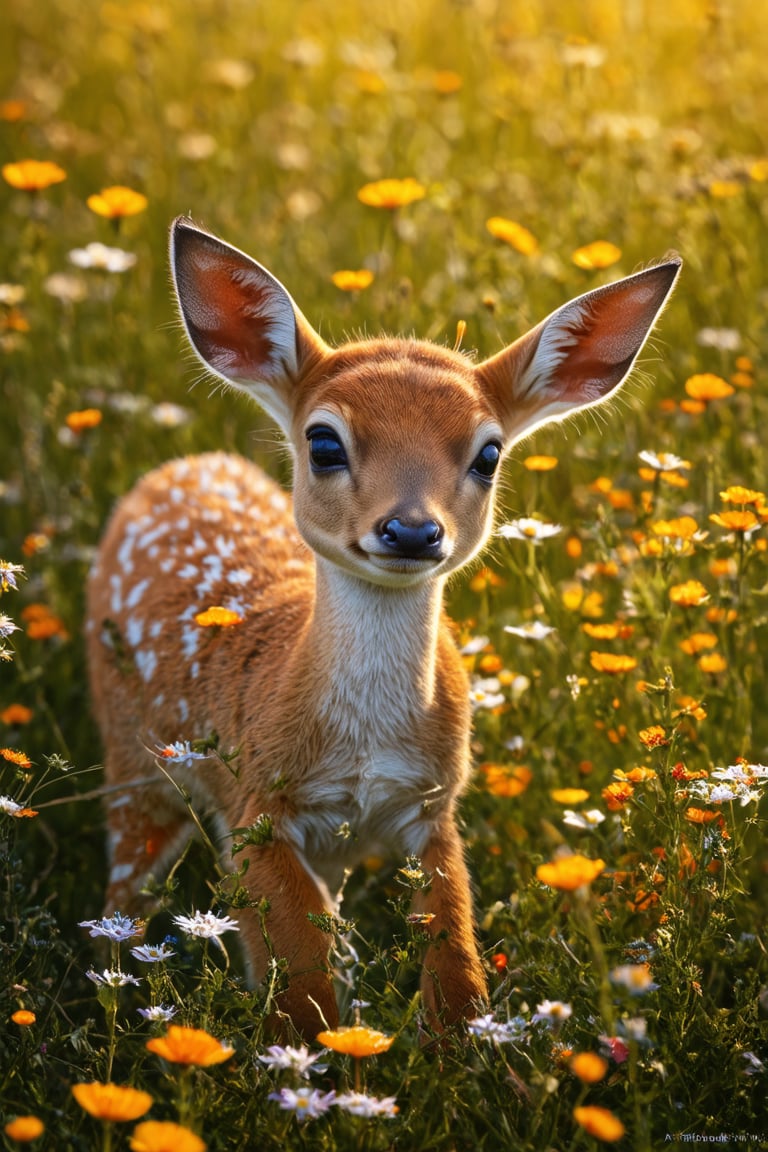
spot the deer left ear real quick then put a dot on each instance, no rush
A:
(578, 356)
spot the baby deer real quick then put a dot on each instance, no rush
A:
(340, 685)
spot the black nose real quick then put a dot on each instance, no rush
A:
(414, 541)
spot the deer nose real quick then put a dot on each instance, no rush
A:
(413, 541)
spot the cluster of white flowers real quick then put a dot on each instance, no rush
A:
(309, 1103)
(497, 1031)
(740, 782)
(116, 928)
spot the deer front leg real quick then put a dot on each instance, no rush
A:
(453, 983)
(277, 877)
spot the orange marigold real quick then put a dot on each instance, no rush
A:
(736, 494)
(33, 175)
(514, 234)
(569, 796)
(23, 1017)
(712, 663)
(540, 463)
(391, 193)
(567, 873)
(599, 1122)
(706, 386)
(506, 780)
(164, 1136)
(116, 202)
(653, 737)
(20, 759)
(617, 795)
(599, 254)
(357, 1041)
(349, 280)
(589, 1067)
(700, 815)
(698, 642)
(190, 1046)
(85, 418)
(736, 521)
(111, 1101)
(24, 1129)
(612, 663)
(689, 594)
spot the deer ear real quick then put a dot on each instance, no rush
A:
(578, 356)
(240, 320)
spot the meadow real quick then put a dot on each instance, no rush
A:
(615, 634)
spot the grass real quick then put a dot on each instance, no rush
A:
(642, 126)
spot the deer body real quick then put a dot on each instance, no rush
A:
(340, 685)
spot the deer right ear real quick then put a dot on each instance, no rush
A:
(240, 320)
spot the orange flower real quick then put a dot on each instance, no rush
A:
(706, 386)
(599, 1122)
(358, 1041)
(41, 623)
(80, 421)
(682, 528)
(617, 795)
(698, 642)
(391, 193)
(653, 737)
(700, 815)
(218, 617)
(607, 631)
(24, 1129)
(736, 494)
(33, 175)
(513, 234)
(636, 775)
(116, 202)
(567, 873)
(599, 254)
(20, 759)
(24, 1018)
(688, 595)
(189, 1046)
(348, 281)
(499, 961)
(540, 463)
(12, 110)
(612, 663)
(504, 780)
(589, 1067)
(736, 521)
(712, 664)
(111, 1101)
(569, 796)
(724, 189)
(446, 82)
(164, 1136)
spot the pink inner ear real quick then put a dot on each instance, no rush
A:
(229, 316)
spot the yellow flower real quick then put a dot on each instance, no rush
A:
(218, 617)
(607, 631)
(599, 1122)
(736, 521)
(698, 642)
(736, 494)
(503, 780)
(116, 202)
(636, 775)
(391, 193)
(352, 281)
(80, 421)
(599, 254)
(513, 234)
(688, 595)
(540, 463)
(111, 1102)
(589, 1067)
(33, 175)
(24, 1129)
(568, 873)
(724, 189)
(569, 795)
(358, 1041)
(189, 1046)
(712, 664)
(23, 1018)
(706, 386)
(164, 1136)
(681, 528)
(653, 737)
(612, 663)
(617, 795)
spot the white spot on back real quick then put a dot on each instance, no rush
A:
(146, 662)
(136, 593)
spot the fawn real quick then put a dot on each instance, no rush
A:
(341, 684)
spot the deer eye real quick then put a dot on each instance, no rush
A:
(486, 462)
(326, 452)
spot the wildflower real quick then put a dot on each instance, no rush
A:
(12, 808)
(352, 281)
(540, 463)
(298, 1060)
(179, 752)
(736, 521)
(116, 928)
(551, 1012)
(612, 663)
(497, 1031)
(359, 1104)
(689, 594)
(599, 254)
(218, 617)
(42, 623)
(535, 630)
(636, 978)
(116, 202)
(12, 294)
(306, 1103)
(15, 713)
(446, 82)
(24, 1129)
(20, 759)
(706, 386)
(698, 642)
(513, 234)
(589, 1067)
(681, 528)
(206, 925)
(569, 795)
(111, 978)
(80, 421)
(157, 1013)
(500, 961)
(32, 175)
(357, 1041)
(506, 780)
(526, 528)
(724, 339)
(567, 873)
(653, 737)
(164, 1136)
(8, 574)
(599, 1122)
(190, 1046)
(168, 415)
(152, 953)
(23, 1017)
(102, 258)
(617, 795)
(584, 821)
(700, 815)
(391, 193)
(111, 1102)
(664, 461)
(7, 627)
(736, 494)
(484, 693)
(67, 287)
(475, 645)
(724, 189)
